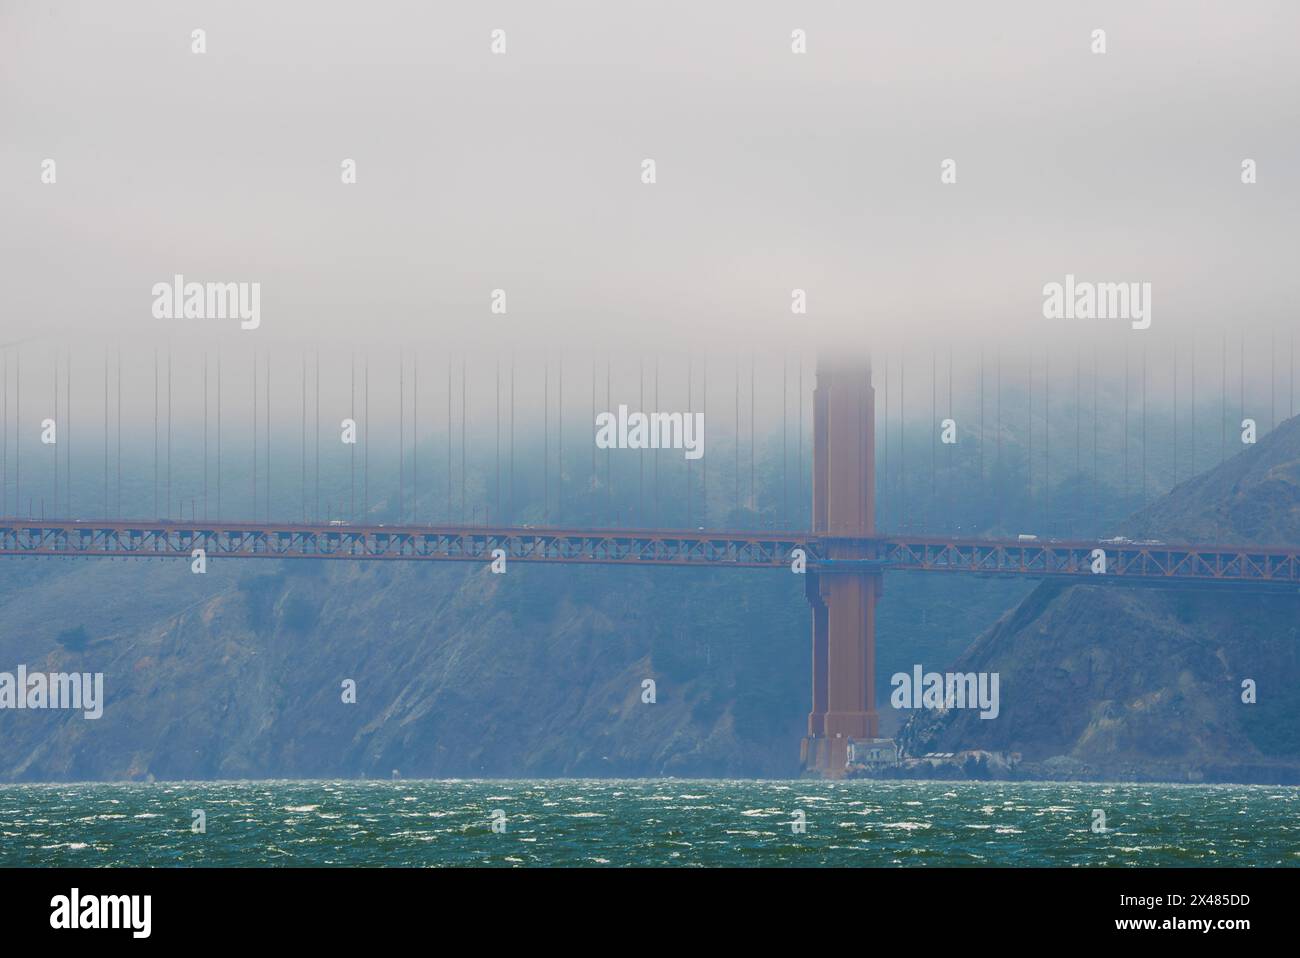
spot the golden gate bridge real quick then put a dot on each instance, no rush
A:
(843, 557)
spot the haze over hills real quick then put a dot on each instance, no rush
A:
(1110, 682)
(238, 673)
(1251, 497)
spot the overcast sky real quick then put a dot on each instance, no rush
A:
(522, 171)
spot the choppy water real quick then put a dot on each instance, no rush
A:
(647, 822)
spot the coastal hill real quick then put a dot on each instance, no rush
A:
(1115, 682)
(458, 672)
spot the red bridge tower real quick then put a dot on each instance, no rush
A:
(843, 597)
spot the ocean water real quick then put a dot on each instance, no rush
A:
(662, 822)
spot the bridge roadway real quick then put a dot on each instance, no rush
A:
(1129, 561)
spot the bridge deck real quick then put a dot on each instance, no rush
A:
(658, 547)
